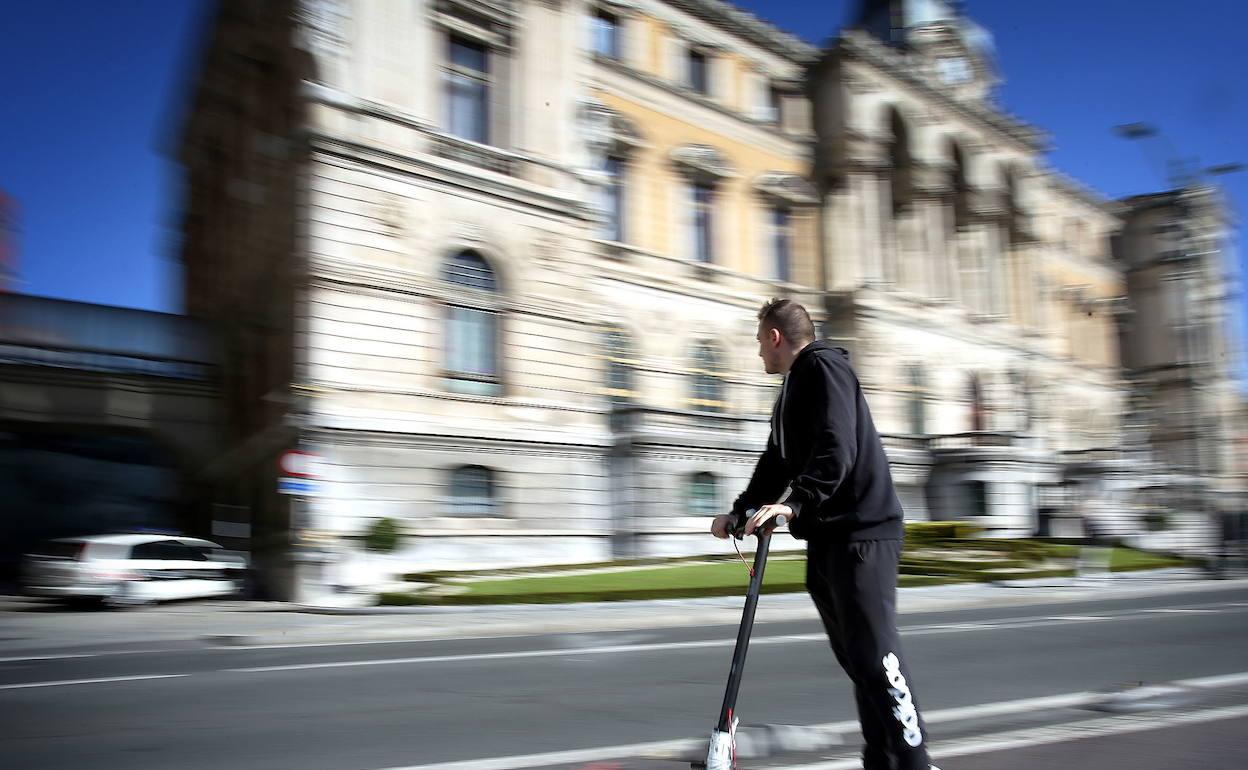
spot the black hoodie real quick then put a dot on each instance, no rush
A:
(831, 457)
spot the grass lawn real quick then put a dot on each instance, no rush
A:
(728, 578)
(1129, 559)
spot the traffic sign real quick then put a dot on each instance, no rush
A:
(293, 486)
(299, 463)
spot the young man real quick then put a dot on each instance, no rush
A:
(825, 470)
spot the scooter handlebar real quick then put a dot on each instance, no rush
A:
(739, 531)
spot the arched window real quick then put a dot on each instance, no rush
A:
(708, 384)
(900, 164)
(960, 186)
(975, 264)
(703, 494)
(471, 355)
(473, 492)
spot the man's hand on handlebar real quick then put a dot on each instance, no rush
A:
(721, 527)
(765, 514)
(724, 525)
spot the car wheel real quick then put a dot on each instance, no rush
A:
(127, 596)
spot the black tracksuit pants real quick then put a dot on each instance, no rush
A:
(854, 586)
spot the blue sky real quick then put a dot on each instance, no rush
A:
(91, 89)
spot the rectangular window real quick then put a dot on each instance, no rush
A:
(703, 250)
(619, 367)
(708, 393)
(780, 244)
(1169, 241)
(613, 199)
(699, 72)
(471, 350)
(1186, 329)
(605, 31)
(775, 105)
(468, 90)
(978, 498)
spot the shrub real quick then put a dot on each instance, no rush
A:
(383, 536)
(1157, 520)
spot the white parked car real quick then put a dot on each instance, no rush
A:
(124, 570)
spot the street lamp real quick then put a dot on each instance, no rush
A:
(1223, 169)
(1180, 171)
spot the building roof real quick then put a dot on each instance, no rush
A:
(730, 18)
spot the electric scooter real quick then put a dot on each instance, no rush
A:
(722, 752)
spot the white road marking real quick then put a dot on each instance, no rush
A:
(672, 748)
(74, 682)
(1213, 682)
(547, 653)
(45, 657)
(1017, 739)
(1180, 611)
(944, 628)
(367, 642)
(962, 627)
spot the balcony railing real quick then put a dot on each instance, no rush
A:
(472, 153)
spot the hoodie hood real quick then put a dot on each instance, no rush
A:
(817, 346)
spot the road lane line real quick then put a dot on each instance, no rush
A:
(75, 682)
(1072, 731)
(948, 628)
(26, 658)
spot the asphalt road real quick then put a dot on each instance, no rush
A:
(573, 700)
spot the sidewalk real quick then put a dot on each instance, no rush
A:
(29, 626)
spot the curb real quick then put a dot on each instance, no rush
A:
(1123, 585)
(1140, 583)
(451, 622)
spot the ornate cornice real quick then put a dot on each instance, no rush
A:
(738, 22)
(704, 159)
(788, 187)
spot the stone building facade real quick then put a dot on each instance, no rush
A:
(498, 261)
